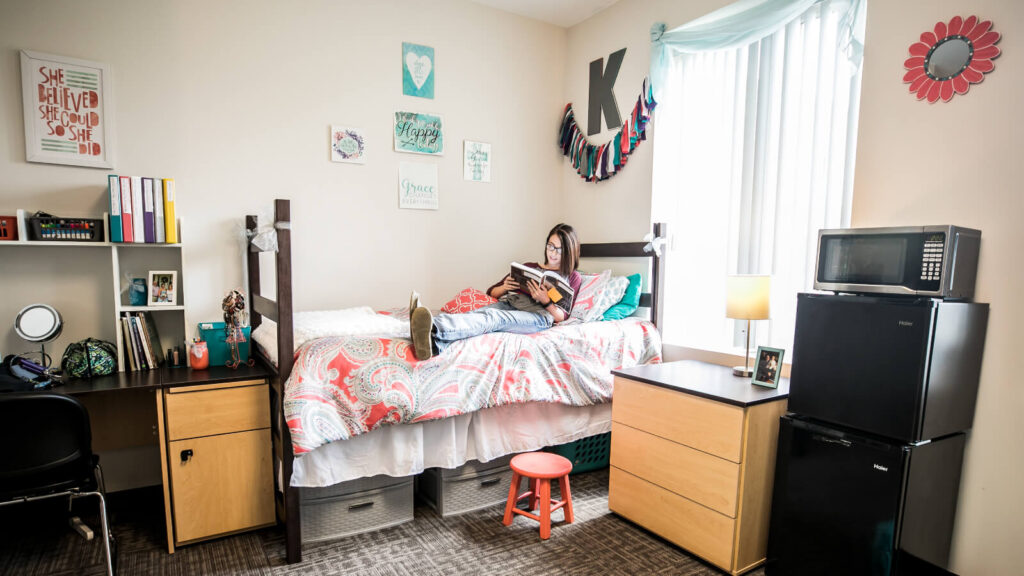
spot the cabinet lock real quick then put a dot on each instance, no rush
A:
(186, 455)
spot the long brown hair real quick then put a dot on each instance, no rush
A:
(570, 249)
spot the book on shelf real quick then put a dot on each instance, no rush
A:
(141, 341)
(148, 212)
(129, 349)
(127, 228)
(559, 289)
(158, 210)
(139, 233)
(170, 223)
(114, 193)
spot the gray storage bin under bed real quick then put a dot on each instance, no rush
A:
(357, 506)
(472, 486)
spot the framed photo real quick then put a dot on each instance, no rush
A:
(163, 288)
(68, 104)
(768, 366)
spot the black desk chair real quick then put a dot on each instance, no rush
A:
(46, 452)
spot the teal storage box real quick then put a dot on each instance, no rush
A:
(586, 454)
(216, 342)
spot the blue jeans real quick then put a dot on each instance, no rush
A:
(498, 317)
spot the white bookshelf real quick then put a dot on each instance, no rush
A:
(134, 260)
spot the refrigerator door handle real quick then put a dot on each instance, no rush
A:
(839, 441)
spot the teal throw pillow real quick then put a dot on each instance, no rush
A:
(630, 300)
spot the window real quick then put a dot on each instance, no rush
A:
(753, 153)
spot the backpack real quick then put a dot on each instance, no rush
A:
(88, 358)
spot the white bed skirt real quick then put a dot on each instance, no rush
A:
(408, 449)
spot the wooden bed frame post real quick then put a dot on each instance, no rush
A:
(283, 214)
(279, 311)
(252, 257)
(658, 279)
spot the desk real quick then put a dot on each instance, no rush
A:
(222, 415)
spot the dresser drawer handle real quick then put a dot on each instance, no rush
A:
(360, 506)
(490, 482)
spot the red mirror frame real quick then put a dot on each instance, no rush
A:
(981, 43)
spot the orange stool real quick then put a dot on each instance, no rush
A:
(540, 468)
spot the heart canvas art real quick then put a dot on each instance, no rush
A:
(417, 70)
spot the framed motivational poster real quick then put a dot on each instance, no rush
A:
(417, 186)
(417, 70)
(418, 133)
(476, 161)
(68, 104)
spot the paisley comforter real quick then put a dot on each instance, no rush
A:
(343, 386)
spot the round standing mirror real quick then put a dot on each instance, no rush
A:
(39, 323)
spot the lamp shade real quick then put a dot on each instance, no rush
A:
(747, 297)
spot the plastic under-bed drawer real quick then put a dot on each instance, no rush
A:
(342, 512)
(472, 486)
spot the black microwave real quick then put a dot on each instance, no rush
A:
(930, 261)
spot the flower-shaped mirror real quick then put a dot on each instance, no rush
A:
(952, 57)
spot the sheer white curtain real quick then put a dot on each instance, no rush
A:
(753, 153)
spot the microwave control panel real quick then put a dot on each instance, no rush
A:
(931, 257)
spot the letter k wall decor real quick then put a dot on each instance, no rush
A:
(602, 96)
(596, 162)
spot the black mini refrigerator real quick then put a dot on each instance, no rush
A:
(847, 503)
(868, 467)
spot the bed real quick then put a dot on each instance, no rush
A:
(522, 393)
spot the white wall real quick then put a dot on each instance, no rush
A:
(959, 163)
(234, 100)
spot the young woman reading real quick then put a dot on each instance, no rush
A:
(520, 309)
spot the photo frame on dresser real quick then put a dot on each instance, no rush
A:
(768, 367)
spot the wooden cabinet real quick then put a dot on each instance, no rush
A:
(216, 459)
(693, 458)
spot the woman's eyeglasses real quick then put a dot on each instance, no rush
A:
(553, 248)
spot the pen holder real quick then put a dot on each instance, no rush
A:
(200, 356)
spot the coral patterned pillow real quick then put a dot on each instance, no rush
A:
(466, 301)
(590, 289)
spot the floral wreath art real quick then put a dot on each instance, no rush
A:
(596, 163)
(348, 144)
(949, 59)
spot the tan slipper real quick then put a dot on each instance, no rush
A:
(421, 323)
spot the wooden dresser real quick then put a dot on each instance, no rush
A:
(693, 458)
(216, 456)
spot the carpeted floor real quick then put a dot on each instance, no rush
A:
(34, 540)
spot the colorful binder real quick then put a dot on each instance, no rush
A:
(114, 189)
(127, 220)
(139, 236)
(148, 216)
(158, 210)
(170, 222)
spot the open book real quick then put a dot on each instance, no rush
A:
(558, 288)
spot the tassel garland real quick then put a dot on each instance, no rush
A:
(596, 163)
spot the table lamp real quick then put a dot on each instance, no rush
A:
(747, 298)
